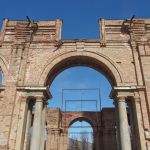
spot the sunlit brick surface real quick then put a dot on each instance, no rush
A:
(33, 53)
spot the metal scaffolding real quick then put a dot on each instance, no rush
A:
(96, 102)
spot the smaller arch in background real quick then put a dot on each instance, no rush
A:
(81, 119)
(81, 136)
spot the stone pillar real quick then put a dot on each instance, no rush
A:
(43, 129)
(124, 135)
(117, 125)
(131, 121)
(139, 131)
(22, 123)
(28, 126)
(36, 134)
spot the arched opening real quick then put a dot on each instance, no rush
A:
(104, 114)
(82, 91)
(93, 60)
(83, 84)
(80, 135)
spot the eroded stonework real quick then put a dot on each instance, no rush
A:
(32, 54)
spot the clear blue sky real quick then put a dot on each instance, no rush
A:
(80, 20)
(80, 78)
(80, 17)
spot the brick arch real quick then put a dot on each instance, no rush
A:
(72, 117)
(81, 118)
(94, 60)
(3, 68)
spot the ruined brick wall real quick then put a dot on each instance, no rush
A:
(103, 124)
(32, 54)
(16, 56)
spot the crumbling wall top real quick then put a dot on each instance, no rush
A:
(124, 31)
(21, 31)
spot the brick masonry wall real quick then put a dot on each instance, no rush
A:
(29, 51)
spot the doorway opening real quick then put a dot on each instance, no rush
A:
(80, 136)
(80, 92)
(80, 83)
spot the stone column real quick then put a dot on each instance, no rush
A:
(124, 135)
(22, 123)
(43, 129)
(117, 125)
(139, 131)
(131, 120)
(28, 125)
(36, 134)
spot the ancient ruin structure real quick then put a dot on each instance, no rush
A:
(32, 54)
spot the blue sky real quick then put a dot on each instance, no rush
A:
(80, 78)
(80, 20)
(76, 130)
(80, 17)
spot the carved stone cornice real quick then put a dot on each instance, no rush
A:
(125, 91)
(35, 91)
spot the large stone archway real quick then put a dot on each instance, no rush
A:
(94, 60)
(34, 53)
